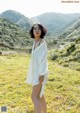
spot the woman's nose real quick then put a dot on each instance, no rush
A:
(37, 29)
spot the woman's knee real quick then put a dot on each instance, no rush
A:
(36, 92)
(34, 98)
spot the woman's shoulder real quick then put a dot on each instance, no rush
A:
(43, 41)
(44, 45)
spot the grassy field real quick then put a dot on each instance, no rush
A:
(62, 91)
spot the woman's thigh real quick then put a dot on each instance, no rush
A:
(36, 90)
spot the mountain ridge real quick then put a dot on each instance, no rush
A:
(13, 37)
(54, 22)
(17, 18)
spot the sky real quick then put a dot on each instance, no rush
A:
(31, 8)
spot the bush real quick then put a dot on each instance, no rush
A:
(54, 57)
(71, 48)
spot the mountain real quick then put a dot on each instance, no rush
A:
(71, 34)
(56, 23)
(13, 37)
(68, 51)
(17, 18)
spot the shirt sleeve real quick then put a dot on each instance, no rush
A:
(42, 60)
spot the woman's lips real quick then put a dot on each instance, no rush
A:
(37, 33)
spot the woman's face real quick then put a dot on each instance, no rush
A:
(36, 31)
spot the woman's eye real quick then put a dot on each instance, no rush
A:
(36, 29)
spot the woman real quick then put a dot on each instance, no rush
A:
(38, 70)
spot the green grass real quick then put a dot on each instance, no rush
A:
(62, 91)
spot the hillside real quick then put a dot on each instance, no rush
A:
(56, 23)
(68, 51)
(17, 18)
(13, 37)
(72, 32)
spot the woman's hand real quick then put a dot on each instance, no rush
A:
(41, 79)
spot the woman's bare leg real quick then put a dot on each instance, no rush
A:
(43, 104)
(35, 97)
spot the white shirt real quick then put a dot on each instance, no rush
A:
(38, 65)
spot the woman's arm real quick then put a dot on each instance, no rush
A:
(42, 61)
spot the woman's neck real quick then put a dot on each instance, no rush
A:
(37, 38)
